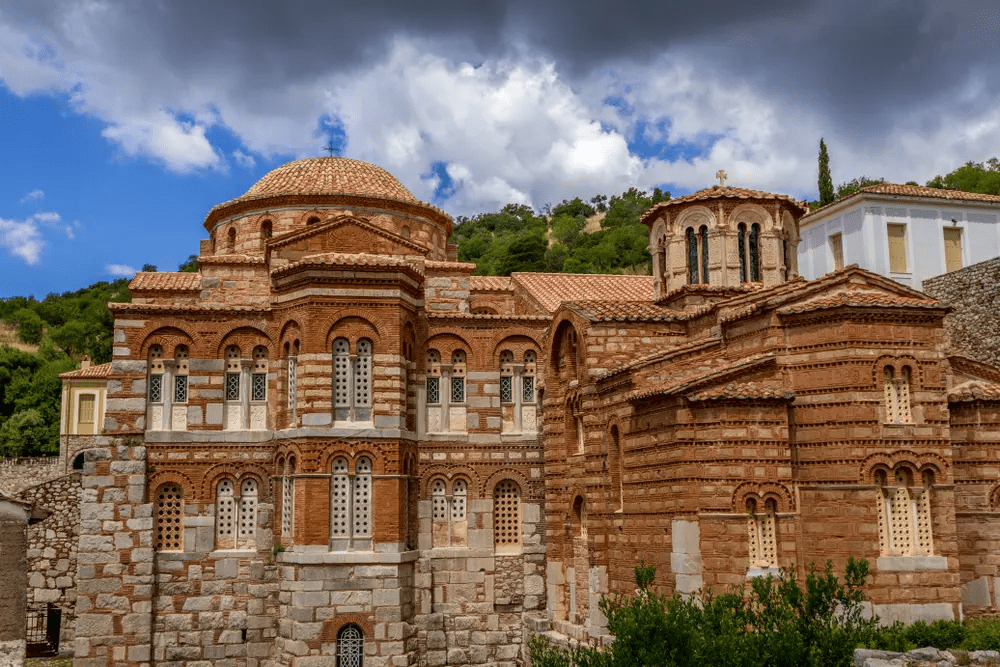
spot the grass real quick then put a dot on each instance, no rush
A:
(8, 336)
(49, 662)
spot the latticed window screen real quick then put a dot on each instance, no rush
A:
(248, 512)
(232, 386)
(506, 514)
(755, 274)
(362, 374)
(458, 390)
(293, 382)
(180, 388)
(341, 373)
(905, 516)
(155, 388)
(768, 537)
(692, 256)
(439, 501)
(225, 515)
(460, 492)
(885, 545)
(922, 500)
(528, 388)
(286, 505)
(258, 387)
(753, 537)
(362, 498)
(902, 524)
(169, 518)
(741, 244)
(506, 389)
(350, 647)
(433, 390)
(340, 499)
(703, 235)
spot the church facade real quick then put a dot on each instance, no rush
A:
(334, 445)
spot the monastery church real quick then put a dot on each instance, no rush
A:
(335, 445)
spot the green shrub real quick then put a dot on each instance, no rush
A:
(982, 635)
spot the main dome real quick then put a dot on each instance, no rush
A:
(329, 176)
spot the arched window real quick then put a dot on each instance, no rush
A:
(233, 388)
(169, 516)
(904, 513)
(439, 501)
(703, 234)
(754, 252)
(181, 369)
(352, 381)
(287, 496)
(292, 354)
(741, 245)
(517, 392)
(580, 517)
(692, 256)
(897, 395)
(265, 230)
(231, 241)
(458, 377)
(762, 533)
(615, 467)
(350, 646)
(459, 494)
(248, 514)
(312, 220)
(155, 388)
(225, 515)
(258, 389)
(351, 505)
(506, 516)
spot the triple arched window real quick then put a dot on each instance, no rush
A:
(517, 392)
(697, 255)
(904, 512)
(449, 507)
(236, 514)
(748, 245)
(352, 380)
(351, 505)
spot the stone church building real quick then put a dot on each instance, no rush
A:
(335, 445)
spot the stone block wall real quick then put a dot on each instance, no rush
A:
(13, 543)
(16, 475)
(52, 547)
(974, 326)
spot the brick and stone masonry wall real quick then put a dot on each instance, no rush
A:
(973, 326)
(115, 576)
(52, 547)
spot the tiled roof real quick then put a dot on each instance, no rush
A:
(624, 311)
(454, 315)
(166, 282)
(661, 353)
(329, 175)
(898, 190)
(182, 308)
(551, 289)
(348, 259)
(745, 390)
(975, 390)
(489, 283)
(702, 375)
(98, 372)
(450, 266)
(717, 192)
(861, 298)
(229, 259)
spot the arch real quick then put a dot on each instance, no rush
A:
(760, 492)
(167, 337)
(158, 479)
(290, 330)
(237, 471)
(231, 240)
(579, 514)
(446, 342)
(615, 443)
(565, 350)
(658, 233)
(499, 339)
(891, 461)
(749, 213)
(378, 464)
(450, 473)
(993, 497)
(245, 336)
(518, 344)
(331, 322)
(266, 230)
(353, 328)
(897, 362)
(486, 490)
(694, 216)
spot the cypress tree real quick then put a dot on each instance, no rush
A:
(825, 182)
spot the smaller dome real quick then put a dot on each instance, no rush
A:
(328, 176)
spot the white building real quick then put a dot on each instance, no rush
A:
(906, 232)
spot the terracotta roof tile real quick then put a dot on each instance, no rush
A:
(705, 374)
(350, 259)
(860, 298)
(489, 283)
(229, 259)
(661, 353)
(624, 311)
(551, 289)
(745, 390)
(329, 175)
(98, 372)
(182, 308)
(975, 390)
(450, 266)
(454, 315)
(166, 282)
(717, 192)
(899, 190)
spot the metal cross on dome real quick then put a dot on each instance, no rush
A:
(722, 176)
(330, 148)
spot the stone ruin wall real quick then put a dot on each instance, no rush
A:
(16, 475)
(52, 546)
(973, 326)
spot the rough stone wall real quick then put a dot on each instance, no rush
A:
(52, 547)
(974, 293)
(16, 475)
(13, 543)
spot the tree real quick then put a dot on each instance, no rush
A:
(971, 177)
(29, 326)
(148, 268)
(26, 434)
(850, 187)
(825, 182)
(190, 265)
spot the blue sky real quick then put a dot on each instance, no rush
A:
(124, 123)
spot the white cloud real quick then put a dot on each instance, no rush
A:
(180, 146)
(22, 238)
(34, 194)
(244, 160)
(120, 270)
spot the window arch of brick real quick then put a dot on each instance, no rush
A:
(350, 646)
(762, 531)
(231, 241)
(904, 499)
(579, 517)
(616, 453)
